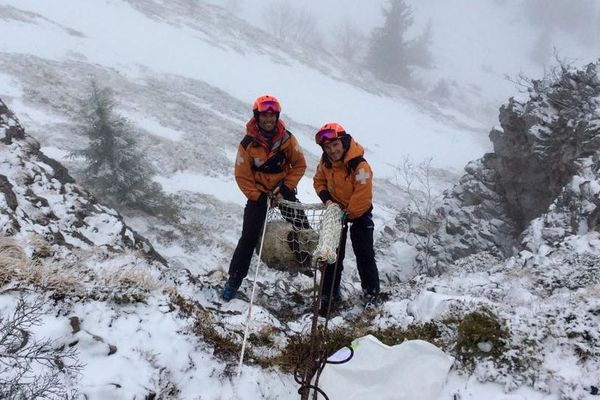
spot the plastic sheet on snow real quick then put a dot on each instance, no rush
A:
(414, 369)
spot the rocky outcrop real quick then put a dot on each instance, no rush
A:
(11, 128)
(38, 197)
(541, 183)
(572, 215)
(542, 139)
(474, 216)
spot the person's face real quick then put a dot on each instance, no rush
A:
(334, 150)
(267, 121)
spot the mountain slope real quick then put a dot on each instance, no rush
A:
(185, 74)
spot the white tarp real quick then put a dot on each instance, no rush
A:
(412, 370)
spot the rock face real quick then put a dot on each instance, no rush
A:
(541, 183)
(543, 139)
(474, 216)
(39, 198)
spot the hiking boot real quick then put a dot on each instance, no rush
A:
(228, 291)
(335, 303)
(372, 301)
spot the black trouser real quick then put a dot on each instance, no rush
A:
(361, 236)
(255, 213)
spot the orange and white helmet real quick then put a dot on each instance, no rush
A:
(329, 132)
(266, 103)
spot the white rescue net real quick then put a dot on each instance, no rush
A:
(299, 236)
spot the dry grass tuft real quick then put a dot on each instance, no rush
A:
(130, 285)
(41, 247)
(15, 266)
(66, 278)
(12, 259)
(133, 277)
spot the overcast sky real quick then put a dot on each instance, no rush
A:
(475, 43)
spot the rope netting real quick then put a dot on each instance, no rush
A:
(300, 236)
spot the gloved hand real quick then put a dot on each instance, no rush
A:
(287, 193)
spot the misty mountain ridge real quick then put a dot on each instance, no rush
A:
(513, 253)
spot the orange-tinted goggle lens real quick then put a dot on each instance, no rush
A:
(269, 106)
(326, 135)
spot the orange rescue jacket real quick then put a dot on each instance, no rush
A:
(260, 167)
(349, 185)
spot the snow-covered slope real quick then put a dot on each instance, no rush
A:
(94, 286)
(188, 40)
(185, 73)
(186, 79)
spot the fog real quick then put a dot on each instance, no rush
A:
(475, 45)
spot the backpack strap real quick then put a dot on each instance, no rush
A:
(276, 163)
(353, 163)
(246, 141)
(273, 165)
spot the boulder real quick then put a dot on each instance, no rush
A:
(288, 249)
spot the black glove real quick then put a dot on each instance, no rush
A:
(287, 193)
(325, 196)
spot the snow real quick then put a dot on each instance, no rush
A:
(101, 229)
(216, 186)
(149, 335)
(55, 153)
(9, 86)
(153, 126)
(428, 306)
(244, 76)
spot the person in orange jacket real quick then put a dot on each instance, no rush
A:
(269, 164)
(344, 177)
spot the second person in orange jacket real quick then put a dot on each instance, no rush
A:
(344, 177)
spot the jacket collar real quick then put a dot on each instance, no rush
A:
(253, 131)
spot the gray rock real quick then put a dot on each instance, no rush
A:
(541, 183)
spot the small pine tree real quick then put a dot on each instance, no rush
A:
(117, 172)
(391, 55)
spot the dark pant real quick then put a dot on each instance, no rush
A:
(255, 214)
(361, 236)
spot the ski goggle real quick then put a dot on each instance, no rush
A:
(327, 135)
(268, 106)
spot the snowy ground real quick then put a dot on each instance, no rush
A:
(187, 83)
